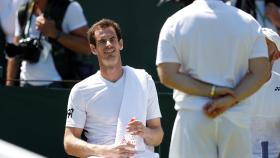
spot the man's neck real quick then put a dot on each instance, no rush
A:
(112, 73)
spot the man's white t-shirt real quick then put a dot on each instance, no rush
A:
(212, 45)
(212, 42)
(45, 69)
(94, 106)
(266, 117)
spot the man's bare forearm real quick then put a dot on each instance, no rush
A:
(172, 78)
(254, 79)
(12, 70)
(153, 136)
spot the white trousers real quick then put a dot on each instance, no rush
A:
(196, 136)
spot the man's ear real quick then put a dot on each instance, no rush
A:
(121, 44)
(93, 49)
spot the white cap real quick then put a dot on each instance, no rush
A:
(272, 36)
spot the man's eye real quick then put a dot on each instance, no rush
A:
(102, 42)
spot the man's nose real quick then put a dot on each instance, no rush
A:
(108, 43)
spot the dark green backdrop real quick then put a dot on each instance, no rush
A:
(35, 118)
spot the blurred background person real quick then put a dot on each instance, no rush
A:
(8, 9)
(50, 38)
(265, 125)
(267, 13)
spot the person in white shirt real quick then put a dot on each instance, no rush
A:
(265, 125)
(214, 56)
(8, 20)
(69, 35)
(8, 10)
(104, 104)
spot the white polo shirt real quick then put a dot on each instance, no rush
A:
(213, 42)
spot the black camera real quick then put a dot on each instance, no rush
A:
(28, 49)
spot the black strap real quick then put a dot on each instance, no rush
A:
(24, 17)
(3, 61)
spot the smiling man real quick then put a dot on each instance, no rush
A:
(116, 110)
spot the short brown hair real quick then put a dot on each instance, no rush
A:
(103, 23)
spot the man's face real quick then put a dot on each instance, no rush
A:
(107, 47)
(272, 51)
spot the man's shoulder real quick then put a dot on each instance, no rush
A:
(74, 6)
(137, 71)
(88, 83)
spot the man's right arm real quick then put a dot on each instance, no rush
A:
(13, 65)
(74, 145)
(12, 70)
(171, 77)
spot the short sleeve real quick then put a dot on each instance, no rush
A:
(166, 51)
(76, 110)
(69, 23)
(153, 104)
(259, 48)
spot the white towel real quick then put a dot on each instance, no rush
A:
(134, 102)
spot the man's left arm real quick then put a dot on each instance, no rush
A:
(152, 133)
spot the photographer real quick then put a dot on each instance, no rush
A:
(8, 10)
(50, 39)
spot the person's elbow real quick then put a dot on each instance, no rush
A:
(260, 67)
(164, 79)
(161, 134)
(264, 73)
(165, 76)
(267, 75)
(67, 146)
(68, 142)
(262, 70)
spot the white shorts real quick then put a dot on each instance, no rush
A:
(196, 136)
